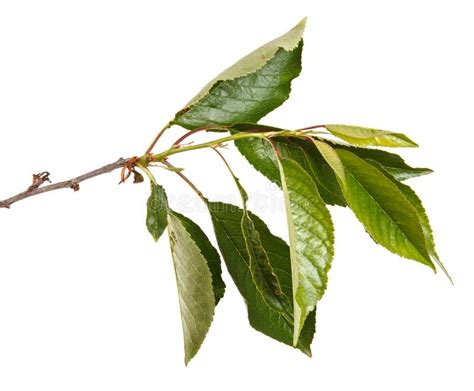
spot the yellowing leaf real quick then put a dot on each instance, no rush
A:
(366, 136)
(331, 157)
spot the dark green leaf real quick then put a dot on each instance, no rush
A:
(311, 235)
(260, 154)
(391, 162)
(261, 269)
(208, 251)
(249, 89)
(227, 221)
(194, 281)
(137, 177)
(264, 277)
(366, 136)
(257, 128)
(157, 205)
(382, 208)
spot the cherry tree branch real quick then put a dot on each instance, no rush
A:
(72, 183)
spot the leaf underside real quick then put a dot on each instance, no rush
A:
(210, 254)
(194, 282)
(311, 235)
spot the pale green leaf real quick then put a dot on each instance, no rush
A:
(208, 251)
(367, 137)
(311, 236)
(194, 281)
(331, 157)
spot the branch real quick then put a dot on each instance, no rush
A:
(69, 184)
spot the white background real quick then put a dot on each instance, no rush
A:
(88, 300)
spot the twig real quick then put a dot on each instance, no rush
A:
(312, 127)
(69, 184)
(158, 136)
(188, 181)
(186, 135)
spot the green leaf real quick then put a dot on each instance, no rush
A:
(367, 136)
(260, 154)
(311, 235)
(157, 205)
(194, 281)
(208, 251)
(391, 162)
(261, 269)
(249, 89)
(264, 277)
(382, 208)
(332, 158)
(227, 220)
(415, 201)
(258, 128)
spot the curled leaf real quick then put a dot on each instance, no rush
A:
(157, 211)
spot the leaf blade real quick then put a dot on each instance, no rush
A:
(311, 234)
(194, 282)
(384, 211)
(251, 88)
(157, 205)
(210, 254)
(262, 272)
(227, 220)
(261, 156)
(391, 162)
(358, 135)
(423, 218)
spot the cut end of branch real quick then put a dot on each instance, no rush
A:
(36, 187)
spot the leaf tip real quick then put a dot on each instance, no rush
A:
(307, 352)
(443, 268)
